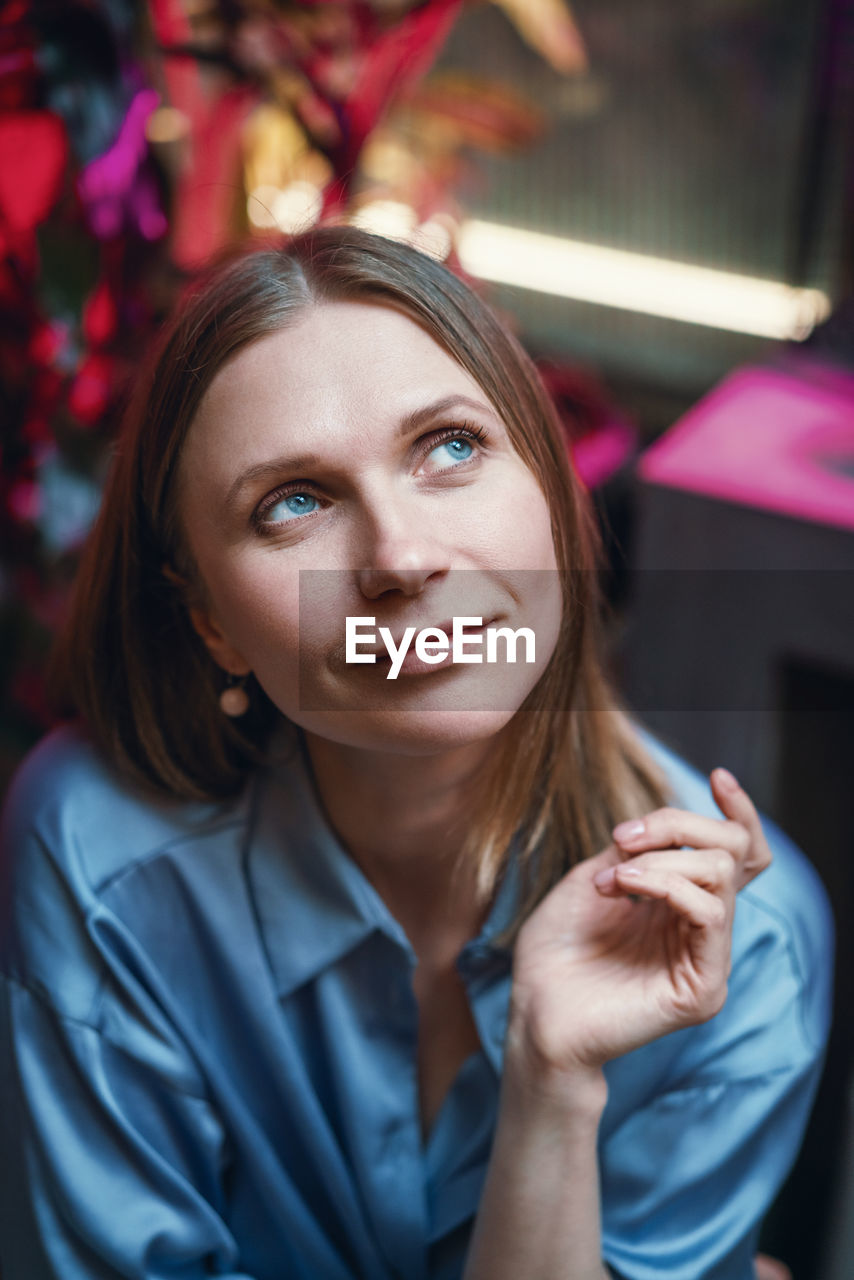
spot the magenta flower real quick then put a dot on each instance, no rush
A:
(116, 188)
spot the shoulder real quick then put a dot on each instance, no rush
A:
(71, 829)
(68, 795)
(783, 932)
(94, 824)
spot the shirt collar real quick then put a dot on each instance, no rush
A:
(312, 902)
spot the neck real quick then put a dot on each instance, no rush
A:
(403, 820)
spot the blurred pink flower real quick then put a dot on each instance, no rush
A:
(115, 188)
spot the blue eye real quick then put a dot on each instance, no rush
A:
(291, 506)
(457, 449)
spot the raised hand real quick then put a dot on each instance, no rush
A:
(741, 835)
(635, 942)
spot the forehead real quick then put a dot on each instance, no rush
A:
(339, 367)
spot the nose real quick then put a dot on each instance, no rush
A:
(400, 552)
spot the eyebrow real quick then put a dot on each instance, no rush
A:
(409, 424)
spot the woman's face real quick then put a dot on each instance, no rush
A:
(347, 466)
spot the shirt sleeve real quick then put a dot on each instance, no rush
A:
(112, 1157)
(690, 1167)
(721, 1152)
(108, 1167)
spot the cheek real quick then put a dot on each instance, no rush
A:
(521, 523)
(262, 621)
(256, 607)
(284, 623)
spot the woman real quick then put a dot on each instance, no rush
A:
(313, 972)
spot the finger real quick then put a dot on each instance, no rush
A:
(770, 1269)
(734, 801)
(711, 869)
(674, 828)
(708, 917)
(698, 906)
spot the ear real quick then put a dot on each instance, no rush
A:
(217, 643)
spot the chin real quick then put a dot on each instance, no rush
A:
(412, 716)
(406, 731)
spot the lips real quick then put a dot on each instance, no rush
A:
(447, 627)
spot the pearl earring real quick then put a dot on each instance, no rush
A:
(234, 700)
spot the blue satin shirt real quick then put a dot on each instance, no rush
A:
(208, 1053)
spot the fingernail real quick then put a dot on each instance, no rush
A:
(726, 779)
(604, 879)
(625, 832)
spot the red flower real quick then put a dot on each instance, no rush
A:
(100, 317)
(33, 155)
(90, 390)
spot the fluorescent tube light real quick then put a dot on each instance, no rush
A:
(637, 282)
